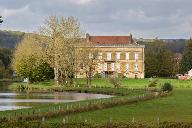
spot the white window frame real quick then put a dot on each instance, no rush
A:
(118, 55)
(112, 65)
(136, 67)
(100, 55)
(126, 67)
(136, 55)
(127, 55)
(105, 66)
(108, 56)
(90, 55)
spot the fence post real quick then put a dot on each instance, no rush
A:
(43, 119)
(158, 121)
(133, 120)
(63, 120)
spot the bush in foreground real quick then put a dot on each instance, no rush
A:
(167, 87)
(153, 83)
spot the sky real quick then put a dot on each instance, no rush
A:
(142, 18)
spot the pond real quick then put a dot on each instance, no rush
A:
(10, 100)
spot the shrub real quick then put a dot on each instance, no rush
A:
(97, 75)
(115, 82)
(153, 83)
(167, 87)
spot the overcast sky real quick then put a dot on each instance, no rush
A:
(142, 18)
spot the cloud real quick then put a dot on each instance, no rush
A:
(148, 19)
(14, 12)
(82, 2)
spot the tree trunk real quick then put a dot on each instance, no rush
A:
(56, 78)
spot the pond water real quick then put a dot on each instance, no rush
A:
(10, 100)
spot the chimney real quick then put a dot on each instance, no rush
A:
(87, 37)
(131, 38)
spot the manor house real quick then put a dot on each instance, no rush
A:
(118, 55)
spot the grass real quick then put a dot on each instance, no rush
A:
(176, 107)
(127, 83)
(54, 108)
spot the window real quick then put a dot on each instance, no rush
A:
(99, 66)
(112, 66)
(136, 67)
(108, 56)
(90, 55)
(118, 55)
(136, 55)
(118, 66)
(126, 67)
(105, 66)
(127, 55)
(100, 55)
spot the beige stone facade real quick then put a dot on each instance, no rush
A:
(127, 60)
(121, 55)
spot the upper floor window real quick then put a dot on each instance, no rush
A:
(100, 55)
(118, 54)
(90, 55)
(136, 55)
(108, 56)
(127, 55)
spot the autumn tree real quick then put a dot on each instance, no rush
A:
(62, 35)
(28, 60)
(186, 61)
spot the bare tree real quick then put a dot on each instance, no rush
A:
(87, 60)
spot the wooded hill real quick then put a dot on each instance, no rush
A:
(9, 39)
(174, 45)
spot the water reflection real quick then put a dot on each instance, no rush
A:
(16, 100)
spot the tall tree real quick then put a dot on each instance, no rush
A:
(62, 35)
(158, 60)
(28, 60)
(186, 61)
(5, 60)
(87, 56)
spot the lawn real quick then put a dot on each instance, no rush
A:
(177, 107)
(128, 83)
